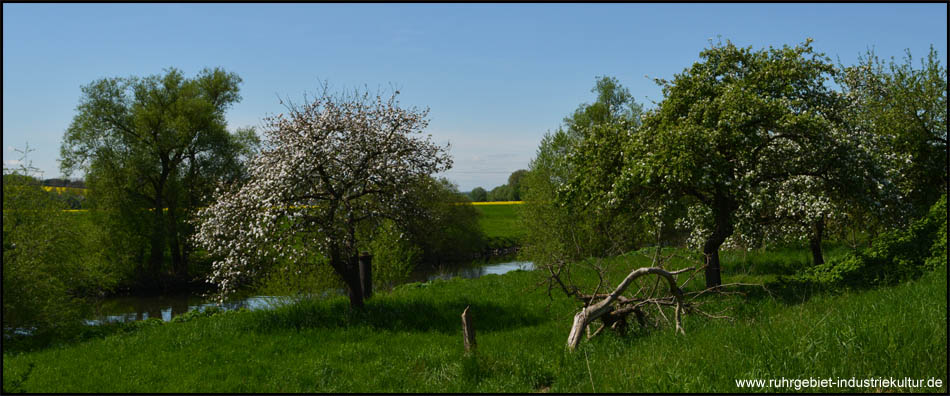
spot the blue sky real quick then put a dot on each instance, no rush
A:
(496, 77)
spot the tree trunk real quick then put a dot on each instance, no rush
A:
(157, 253)
(351, 276)
(722, 213)
(590, 313)
(174, 244)
(713, 271)
(815, 242)
(157, 256)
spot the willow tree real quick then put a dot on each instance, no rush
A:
(154, 143)
(329, 170)
(734, 121)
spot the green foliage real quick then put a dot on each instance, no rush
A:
(506, 192)
(49, 262)
(478, 194)
(156, 143)
(309, 275)
(907, 108)
(193, 314)
(450, 229)
(895, 256)
(501, 193)
(514, 183)
(394, 256)
(548, 227)
(569, 213)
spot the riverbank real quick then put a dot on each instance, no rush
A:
(409, 340)
(168, 306)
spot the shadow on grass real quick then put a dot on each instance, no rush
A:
(788, 291)
(69, 335)
(387, 314)
(764, 267)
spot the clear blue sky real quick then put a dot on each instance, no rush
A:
(495, 76)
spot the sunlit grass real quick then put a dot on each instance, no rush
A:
(409, 340)
(501, 221)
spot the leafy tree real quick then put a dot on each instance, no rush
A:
(899, 254)
(906, 108)
(155, 143)
(549, 227)
(514, 183)
(729, 124)
(892, 169)
(450, 231)
(565, 212)
(331, 171)
(510, 191)
(596, 161)
(501, 193)
(478, 194)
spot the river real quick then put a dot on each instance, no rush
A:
(130, 308)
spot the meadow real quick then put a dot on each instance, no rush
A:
(409, 340)
(500, 223)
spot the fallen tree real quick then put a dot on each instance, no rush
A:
(613, 309)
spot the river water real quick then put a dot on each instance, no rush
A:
(130, 308)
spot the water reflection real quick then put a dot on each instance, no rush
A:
(472, 272)
(124, 309)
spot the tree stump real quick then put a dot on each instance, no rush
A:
(366, 274)
(468, 331)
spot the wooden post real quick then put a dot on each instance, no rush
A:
(366, 274)
(468, 331)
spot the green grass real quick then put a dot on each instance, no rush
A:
(410, 341)
(501, 221)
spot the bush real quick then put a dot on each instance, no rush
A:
(49, 263)
(197, 313)
(394, 256)
(896, 256)
(299, 276)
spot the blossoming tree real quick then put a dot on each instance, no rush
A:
(730, 124)
(330, 170)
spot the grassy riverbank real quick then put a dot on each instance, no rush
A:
(410, 341)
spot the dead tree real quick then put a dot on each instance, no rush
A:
(613, 309)
(618, 315)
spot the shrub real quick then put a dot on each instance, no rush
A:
(394, 256)
(896, 256)
(49, 264)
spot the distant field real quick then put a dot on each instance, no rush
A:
(500, 220)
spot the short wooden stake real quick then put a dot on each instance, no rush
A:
(468, 331)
